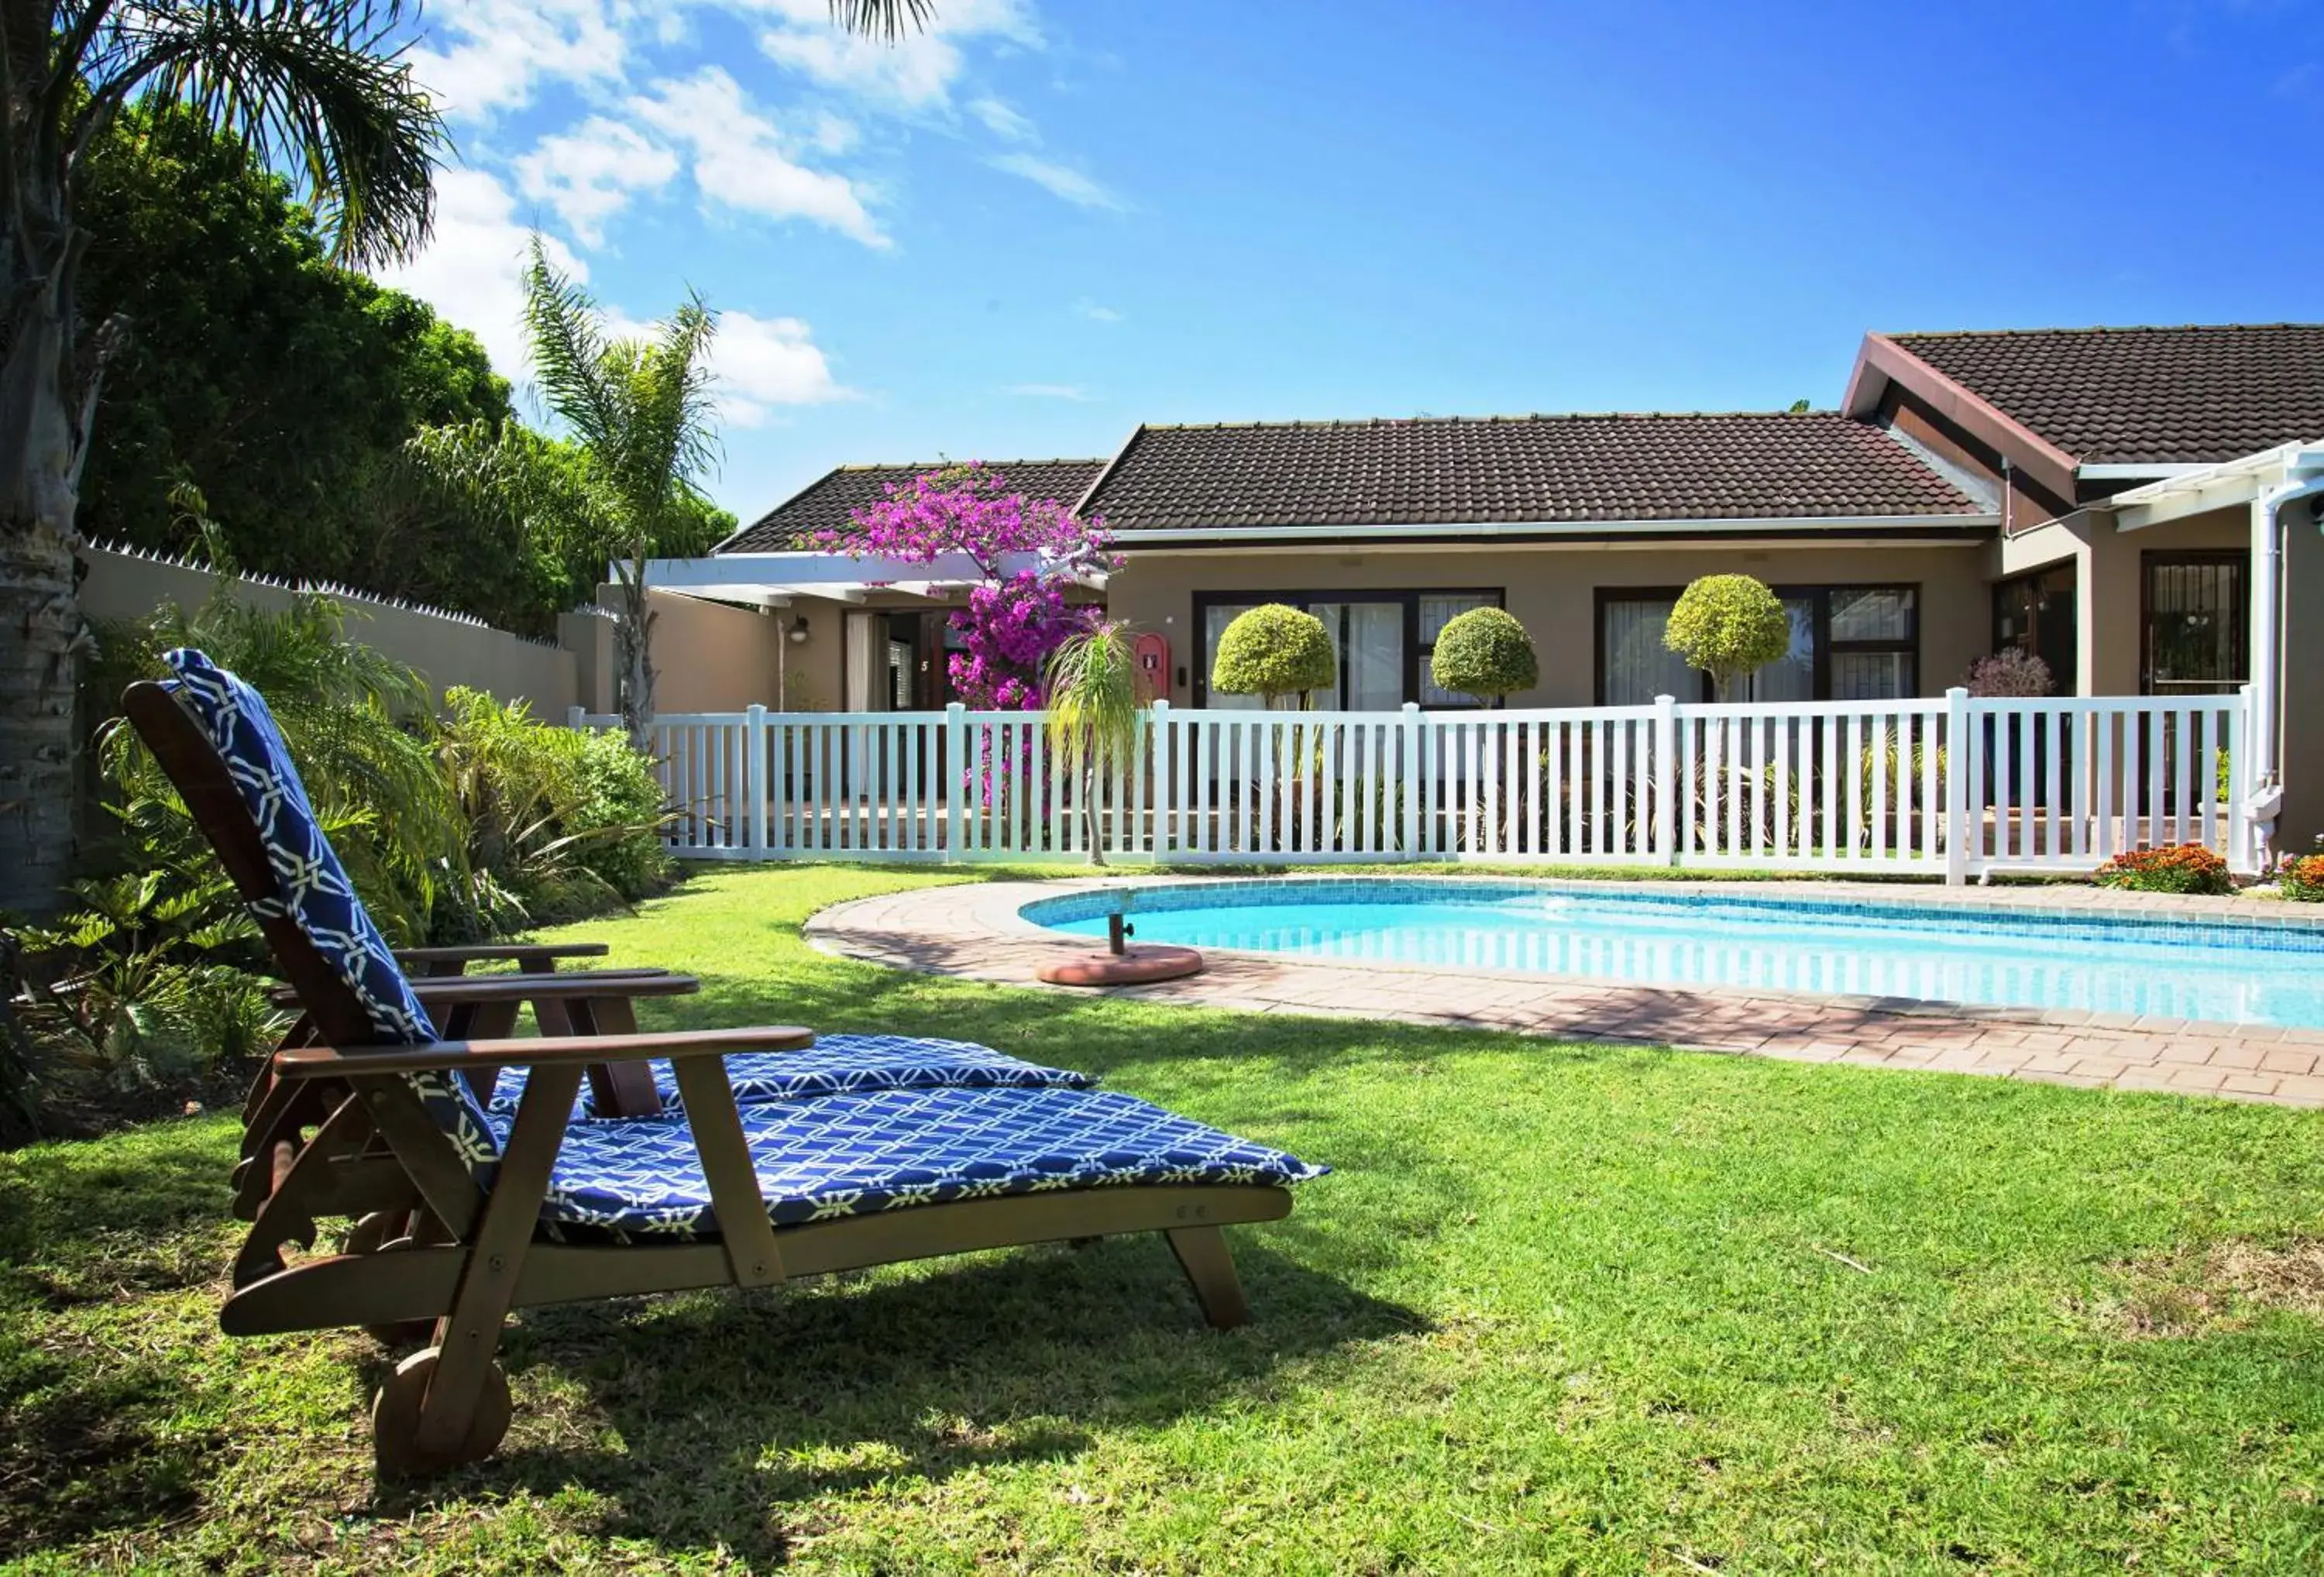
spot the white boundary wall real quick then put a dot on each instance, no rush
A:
(1950, 786)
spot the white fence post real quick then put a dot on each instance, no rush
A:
(1959, 754)
(754, 781)
(1161, 799)
(1414, 770)
(955, 777)
(1665, 778)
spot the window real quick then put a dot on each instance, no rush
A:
(1384, 641)
(2034, 613)
(2196, 623)
(1848, 644)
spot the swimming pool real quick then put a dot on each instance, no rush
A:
(2224, 971)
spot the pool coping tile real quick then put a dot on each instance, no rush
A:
(975, 930)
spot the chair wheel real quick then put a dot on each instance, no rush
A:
(395, 1419)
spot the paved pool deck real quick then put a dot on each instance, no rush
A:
(973, 930)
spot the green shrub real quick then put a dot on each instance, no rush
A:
(1274, 651)
(619, 816)
(1486, 653)
(357, 723)
(1729, 626)
(560, 825)
(2172, 868)
(144, 980)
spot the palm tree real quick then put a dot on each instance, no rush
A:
(639, 414)
(314, 87)
(1095, 711)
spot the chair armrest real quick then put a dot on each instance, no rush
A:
(498, 951)
(563, 985)
(310, 1062)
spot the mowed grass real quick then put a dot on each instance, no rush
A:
(1561, 1307)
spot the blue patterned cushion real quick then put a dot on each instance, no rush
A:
(312, 888)
(834, 1064)
(871, 1150)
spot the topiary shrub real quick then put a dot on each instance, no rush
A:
(1730, 626)
(2172, 868)
(1486, 653)
(1274, 651)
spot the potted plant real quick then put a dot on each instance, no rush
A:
(1730, 626)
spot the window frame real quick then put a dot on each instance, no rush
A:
(1820, 593)
(2153, 559)
(1414, 656)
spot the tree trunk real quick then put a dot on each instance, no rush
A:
(39, 636)
(41, 630)
(633, 640)
(1090, 816)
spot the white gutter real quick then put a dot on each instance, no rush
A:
(2138, 472)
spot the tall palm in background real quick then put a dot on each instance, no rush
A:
(639, 411)
(319, 88)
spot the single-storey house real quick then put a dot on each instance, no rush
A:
(2137, 506)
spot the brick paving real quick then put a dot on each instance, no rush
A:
(973, 930)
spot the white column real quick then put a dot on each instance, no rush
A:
(2266, 661)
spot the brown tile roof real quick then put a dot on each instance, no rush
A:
(1454, 470)
(825, 503)
(2122, 396)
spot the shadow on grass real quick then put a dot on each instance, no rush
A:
(731, 1411)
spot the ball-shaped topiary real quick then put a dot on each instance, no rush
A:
(1274, 651)
(1729, 626)
(1484, 652)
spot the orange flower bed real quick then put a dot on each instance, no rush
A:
(2172, 868)
(2302, 879)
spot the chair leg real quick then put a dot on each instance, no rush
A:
(1202, 1255)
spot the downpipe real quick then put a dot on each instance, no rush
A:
(2264, 793)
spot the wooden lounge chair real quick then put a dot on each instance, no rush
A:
(856, 1166)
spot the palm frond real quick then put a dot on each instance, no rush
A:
(1094, 704)
(319, 87)
(883, 19)
(569, 348)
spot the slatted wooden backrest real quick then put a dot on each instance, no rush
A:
(194, 764)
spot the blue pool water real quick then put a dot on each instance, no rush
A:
(2222, 971)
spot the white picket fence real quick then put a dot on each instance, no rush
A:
(1950, 786)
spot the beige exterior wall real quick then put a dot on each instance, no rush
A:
(1552, 592)
(449, 651)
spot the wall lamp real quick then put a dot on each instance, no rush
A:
(798, 631)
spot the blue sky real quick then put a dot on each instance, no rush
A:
(1039, 224)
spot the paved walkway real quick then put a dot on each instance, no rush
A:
(973, 930)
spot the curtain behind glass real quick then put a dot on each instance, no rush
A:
(1791, 677)
(1637, 665)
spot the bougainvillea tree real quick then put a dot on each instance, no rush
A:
(1029, 556)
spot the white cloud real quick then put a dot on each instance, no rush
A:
(473, 268)
(1090, 309)
(762, 362)
(1062, 180)
(1002, 121)
(739, 157)
(756, 364)
(915, 73)
(588, 174)
(1073, 391)
(490, 55)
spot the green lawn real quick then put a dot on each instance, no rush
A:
(1561, 1307)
